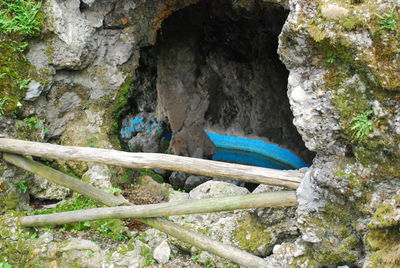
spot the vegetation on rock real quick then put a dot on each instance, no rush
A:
(20, 20)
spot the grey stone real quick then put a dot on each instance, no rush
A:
(306, 196)
(34, 90)
(84, 252)
(178, 179)
(98, 176)
(162, 252)
(88, 2)
(73, 48)
(216, 189)
(123, 257)
(160, 171)
(334, 11)
(194, 181)
(177, 196)
(44, 189)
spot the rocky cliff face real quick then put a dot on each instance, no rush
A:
(212, 65)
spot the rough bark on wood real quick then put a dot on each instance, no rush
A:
(262, 200)
(287, 178)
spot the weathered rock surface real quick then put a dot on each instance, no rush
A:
(343, 84)
(41, 188)
(255, 231)
(162, 252)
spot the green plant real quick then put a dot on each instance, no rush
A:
(86, 105)
(22, 186)
(5, 265)
(23, 83)
(113, 228)
(146, 253)
(149, 172)
(18, 46)
(362, 126)
(114, 190)
(207, 262)
(19, 16)
(331, 58)
(2, 106)
(196, 257)
(33, 122)
(388, 20)
(91, 141)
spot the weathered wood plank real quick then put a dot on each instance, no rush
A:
(287, 178)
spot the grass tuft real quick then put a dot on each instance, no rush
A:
(20, 16)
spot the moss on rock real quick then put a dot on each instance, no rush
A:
(250, 234)
(16, 247)
(20, 21)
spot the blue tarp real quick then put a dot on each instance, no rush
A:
(253, 152)
(229, 148)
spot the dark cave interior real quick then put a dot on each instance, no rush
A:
(215, 68)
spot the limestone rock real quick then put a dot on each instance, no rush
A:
(34, 91)
(216, 189)
(8, 196)
(162, 252)
(99, 176)
(43, 189)
(84, 252)
(129, 255)
(73, 47)
(239, 228)
(334, 11)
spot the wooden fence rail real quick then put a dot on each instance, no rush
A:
(198, 240)
(262, 200)
(287, 178)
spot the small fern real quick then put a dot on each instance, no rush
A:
(362, 126)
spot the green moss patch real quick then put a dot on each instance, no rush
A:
(114, 228)
(251, 234)
(386, 244)
(16, 245)
(20, 20)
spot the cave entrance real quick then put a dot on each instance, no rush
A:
(214, 68)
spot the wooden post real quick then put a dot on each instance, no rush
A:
(286, 178)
